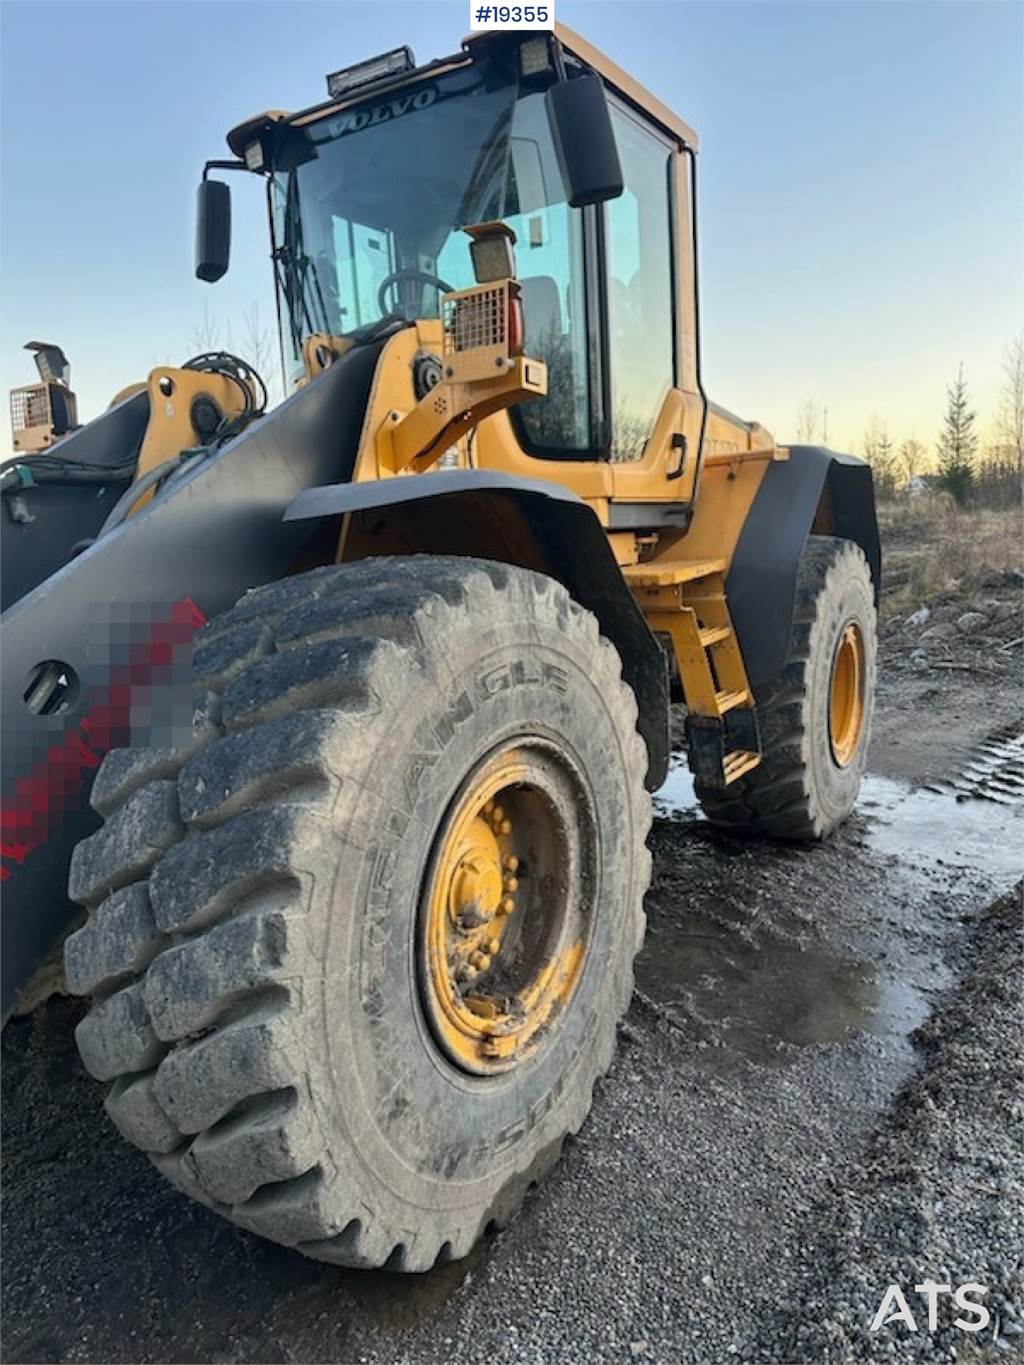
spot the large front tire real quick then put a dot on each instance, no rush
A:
(815, 718)
(270, 1005)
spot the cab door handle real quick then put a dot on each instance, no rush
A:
(678, 443)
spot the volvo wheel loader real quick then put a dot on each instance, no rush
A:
(340, 721)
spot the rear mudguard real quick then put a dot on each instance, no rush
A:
(120, 618)
(815, 490)
(528, 522)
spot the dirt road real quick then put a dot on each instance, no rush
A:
(760, 1163)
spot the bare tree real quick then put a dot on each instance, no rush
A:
(808, 420)
(207, 335)
(1000, 472)
(256, 346)
(258, 351)
(912, 457)
(1010, 419)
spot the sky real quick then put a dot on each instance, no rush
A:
(861, 192)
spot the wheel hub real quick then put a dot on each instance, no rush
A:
(502, 939)
(846, 695)
(477, 903)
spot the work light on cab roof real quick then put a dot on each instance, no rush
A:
(391, 63)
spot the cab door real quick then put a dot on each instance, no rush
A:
(654, 410)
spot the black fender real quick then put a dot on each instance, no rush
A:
(121, 616)
(528, 522)
(814, 490)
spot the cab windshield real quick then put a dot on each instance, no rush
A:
(369, 207)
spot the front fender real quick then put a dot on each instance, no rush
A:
(815, 490)
(527, 522)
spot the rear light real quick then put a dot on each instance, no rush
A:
(484, 331)
(516, 323)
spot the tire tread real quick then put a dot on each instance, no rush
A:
(200, 1030)
(777, 798)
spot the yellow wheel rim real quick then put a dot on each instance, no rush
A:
(504, 920)
(846, 695)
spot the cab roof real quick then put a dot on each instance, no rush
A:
(613, 75)
(624, 83)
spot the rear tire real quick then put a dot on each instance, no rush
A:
(801, 789)
(253, 945)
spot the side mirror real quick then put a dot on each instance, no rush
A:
(581, 125)
(213, 230)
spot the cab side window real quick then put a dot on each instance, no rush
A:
(638, 237)
(549, 258)
(549, 255)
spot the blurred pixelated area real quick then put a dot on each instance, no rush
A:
(134, 687)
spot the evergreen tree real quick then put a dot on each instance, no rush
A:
(885, 462)
(958, 443)
(880, 453)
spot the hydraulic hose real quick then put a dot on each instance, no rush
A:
(68, 471)
(52, 467)
(165, 471)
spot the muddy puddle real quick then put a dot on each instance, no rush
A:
(931, 827)
(975, 823)
(757, 1003)
(740, 979)
(976, 820)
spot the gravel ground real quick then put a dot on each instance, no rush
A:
(929, 720)
(938, 1192)
(799, 1114)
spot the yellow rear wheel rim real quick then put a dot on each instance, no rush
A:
(846, 695)
(503, 929)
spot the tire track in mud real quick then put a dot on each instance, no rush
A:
(995, 772)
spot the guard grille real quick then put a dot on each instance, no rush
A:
(475, 319)
(30, 407)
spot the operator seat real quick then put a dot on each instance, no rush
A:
(542, 310)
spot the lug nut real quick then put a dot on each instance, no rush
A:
(497, 814)
(484, 962)
(507, 906)
(511, 863)
(467, 973)
(488, 807)
(505, 827)
(475, 958)
(511, 883)
(492, 945)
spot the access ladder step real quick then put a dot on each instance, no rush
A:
(714, 635)
(668, 575)
(727, 701)
(738, 764)
(722, 751)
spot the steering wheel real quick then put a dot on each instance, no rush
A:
(411, 277)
